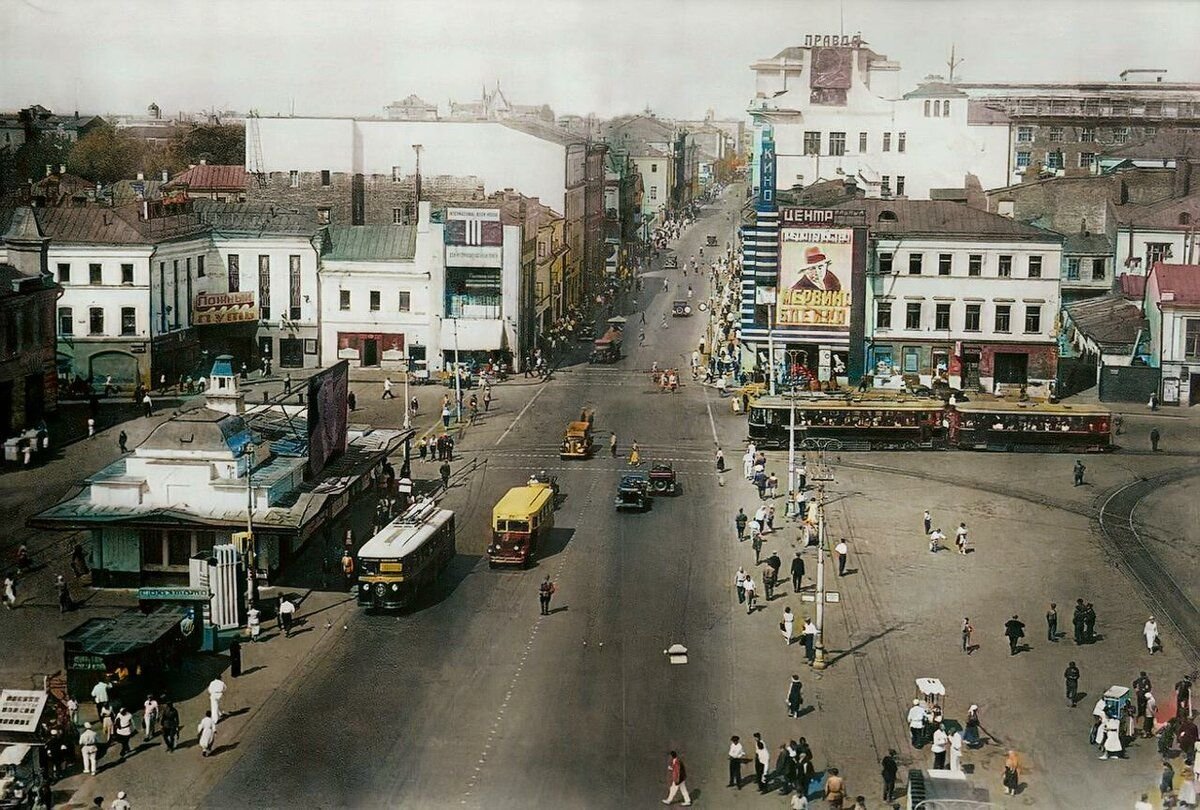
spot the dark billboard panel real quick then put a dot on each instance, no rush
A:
(328, 412)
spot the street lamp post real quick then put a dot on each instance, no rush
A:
(407, 409)
(457, 375)
(819, 661)
(251, 561)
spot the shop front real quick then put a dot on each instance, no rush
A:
(136, 651)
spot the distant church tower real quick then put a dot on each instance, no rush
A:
(222, 393)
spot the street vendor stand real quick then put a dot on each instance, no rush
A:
(24, 717)
(135, 650)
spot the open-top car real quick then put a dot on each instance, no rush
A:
(633, 492)
(672, 263)
(681, 308)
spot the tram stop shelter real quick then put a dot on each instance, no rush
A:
(135, 650)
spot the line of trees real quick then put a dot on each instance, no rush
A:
(107, 154)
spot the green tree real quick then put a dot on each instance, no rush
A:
(106, 154)
(29, 161)
(220, 144)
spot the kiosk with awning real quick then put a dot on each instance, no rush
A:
(23, 713)
(135, 649)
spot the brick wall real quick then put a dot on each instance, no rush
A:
(382, 195)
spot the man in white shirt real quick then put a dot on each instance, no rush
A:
(956, 743)
(88, 747)
(287, 612)
(842, 551)
(935, 540)
(737, 755)
(100, 695)
(940, 743)
(960, 538)
(216, 691)
(916, 723)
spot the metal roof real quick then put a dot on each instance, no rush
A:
(1181, 279)
(126, 631)
(1108, 320)
(256, 218)
(371, 243)
(939, 218)
(1088, 243)
(209, 177)
(522, 501)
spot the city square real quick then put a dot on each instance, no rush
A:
(382, 385)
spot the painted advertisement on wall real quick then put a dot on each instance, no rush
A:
(829, 79)
(474, 237)
(815, 272)
(217, 308)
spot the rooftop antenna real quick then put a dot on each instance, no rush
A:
(841, 18)
(953, 63)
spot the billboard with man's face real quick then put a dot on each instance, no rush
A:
(815, 271)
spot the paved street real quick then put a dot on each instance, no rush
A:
(474, 700)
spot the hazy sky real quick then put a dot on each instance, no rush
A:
(345, 57)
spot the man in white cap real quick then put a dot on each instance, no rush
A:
(88, 748)
(916, 723)
(121, 802)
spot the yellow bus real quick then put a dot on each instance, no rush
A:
(405, 556)
(520, 521)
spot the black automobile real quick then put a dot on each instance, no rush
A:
(672, 263)
(633, 492)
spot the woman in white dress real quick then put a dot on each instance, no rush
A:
(1112, 739)
(207, 729)
(785, 626)
(1150, 632)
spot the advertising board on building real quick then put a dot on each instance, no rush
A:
(474, 237)
(216, 308)
(327, 415)
(816, 267)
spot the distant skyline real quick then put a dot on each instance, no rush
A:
(353, 57)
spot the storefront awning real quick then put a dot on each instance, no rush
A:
(473, 335)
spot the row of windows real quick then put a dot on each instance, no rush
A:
(1099, 269)
(375, 301)
(940, 107)
(945, 264)
(972, 317)
(294, 178)
(837, 142)
(1026, 134)
(1054, 159)
(66, 321)
(885, 185)
(295, 293)
(96, 273)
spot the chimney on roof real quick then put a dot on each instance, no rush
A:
(49, 170)
(203, 161)
(1181, 180)
(141, 176)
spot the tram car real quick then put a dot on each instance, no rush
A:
(405, 557)
(1006, 426)
(877, 422)
(860, 423)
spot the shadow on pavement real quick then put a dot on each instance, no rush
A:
(555, 542)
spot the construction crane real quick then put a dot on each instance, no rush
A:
(254, 141)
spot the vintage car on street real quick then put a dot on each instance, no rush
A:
(577, 440)
(633, 492)
(662, 479)
(672, 263)
(608, 348)
(681, 308)
(712, 240)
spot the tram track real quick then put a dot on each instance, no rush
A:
(1116, 527)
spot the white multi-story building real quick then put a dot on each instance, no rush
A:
(261, 285)
(128, 278)
(961, 294)
(838, 111)
(377, 291)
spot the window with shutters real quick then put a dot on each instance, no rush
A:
(264, 287)
(294, 291)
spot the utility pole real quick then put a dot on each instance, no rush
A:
(953, 63)
(407, 409)
(771, 349)
(457, 376)
(819, 654)
(417, 148)
(251, 562)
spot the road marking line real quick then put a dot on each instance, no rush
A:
(712, 423)
(532, 400)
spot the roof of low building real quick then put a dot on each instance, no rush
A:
(1163, 145)
(1112, 321)
(1087, 243)
(1132, 286)
(119, 225)
(210, 177)
(935, 89)
(545, 131)
(201, 430)
(1171, 214)
(1181, 279)
(940, 218)
(371, 243)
